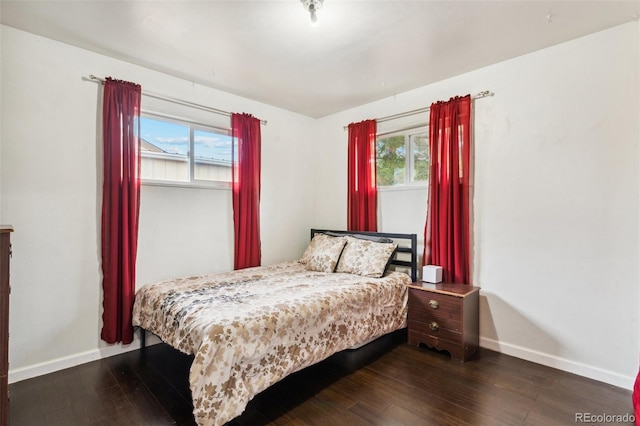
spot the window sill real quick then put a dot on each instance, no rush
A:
(190, 185)
(402, 188)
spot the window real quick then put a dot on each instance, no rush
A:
(402, 158)
(180, 151)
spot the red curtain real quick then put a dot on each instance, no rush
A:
(635, 397)
(246, 190)
(447, 227)
(120, 206)
(362, 192)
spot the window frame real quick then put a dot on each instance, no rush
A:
(408, 133)
(192, 125)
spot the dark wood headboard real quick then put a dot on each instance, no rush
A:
(407, 247)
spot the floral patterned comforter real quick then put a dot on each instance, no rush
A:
(250, 328)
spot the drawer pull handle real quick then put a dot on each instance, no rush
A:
(433, 304)
(434, 326)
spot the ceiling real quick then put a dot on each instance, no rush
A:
(361, 51)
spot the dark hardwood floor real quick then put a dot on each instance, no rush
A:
(387, 384)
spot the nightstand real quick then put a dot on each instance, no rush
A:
(445, 317)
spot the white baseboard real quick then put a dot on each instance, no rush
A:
(563, 364)
(35, 370)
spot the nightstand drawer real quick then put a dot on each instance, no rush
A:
(435, 307)
(435, 329)
(443, 320)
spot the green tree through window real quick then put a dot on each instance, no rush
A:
(394, 166)
(420, 158)
(390, 160)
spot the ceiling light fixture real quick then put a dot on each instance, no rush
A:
(313, 6)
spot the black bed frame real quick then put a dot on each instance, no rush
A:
(407, 243)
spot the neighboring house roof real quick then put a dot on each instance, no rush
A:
(148, 146)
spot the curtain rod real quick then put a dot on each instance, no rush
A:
(175, 100)
(482, 94)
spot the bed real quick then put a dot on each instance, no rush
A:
(250, 328)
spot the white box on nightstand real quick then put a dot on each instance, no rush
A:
(432, 273)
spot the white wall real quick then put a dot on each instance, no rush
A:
(50, 185)
(556, 212)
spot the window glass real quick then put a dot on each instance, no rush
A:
(164, 150)
(402, 158)
(391, 160)
(420, 148)
(173, 150)
(212, 156)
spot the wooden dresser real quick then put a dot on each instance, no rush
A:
(5, 254)
(445, 317)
